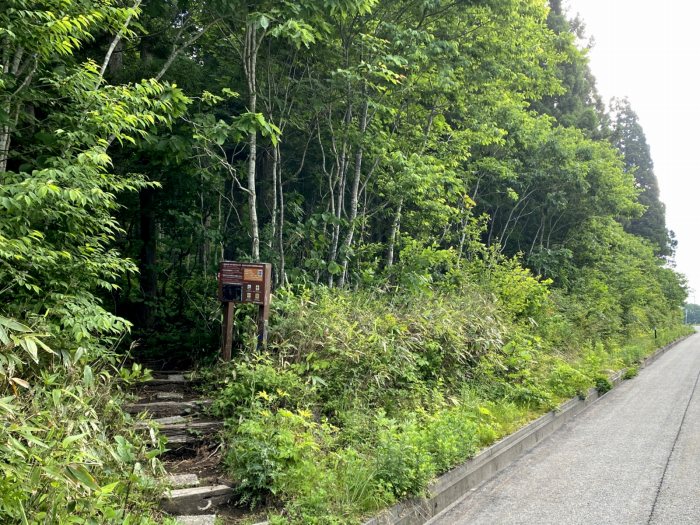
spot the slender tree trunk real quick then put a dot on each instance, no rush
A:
(4, 147)
(489, 240)
(341, 167)
(250, 52)
(147, 258)
(393, 234)
(21, 67)
(280, 230)
(354, 195)
(273, 179)
(113, 45)
(206, 227)
(176, 50)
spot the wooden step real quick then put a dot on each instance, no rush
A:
(192, 426)
(196, 500)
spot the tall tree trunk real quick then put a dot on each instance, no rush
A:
(23, 68)
(273, 219)
(250, 52)
(273, 179)
(280, 230)
(341, 168)
(148, 276)
(355, 194)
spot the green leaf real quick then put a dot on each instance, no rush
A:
(14, 325)
(30, 346)
(88, 377)
(334, 268)
(81, 475)
(72, 439)
(108, 489)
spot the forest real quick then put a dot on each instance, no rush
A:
(463, 234)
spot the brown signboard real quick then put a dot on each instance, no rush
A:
(241, 282)
(244, 282)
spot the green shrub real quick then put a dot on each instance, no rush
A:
(414, 386)
(70, 455)
(404, 463)
(275, 452)
(451, 436)
(630, 372)
(567, 381)
(358, 488)
(603, 384)
(257, 383)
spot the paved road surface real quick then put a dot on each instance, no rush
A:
(631, 458)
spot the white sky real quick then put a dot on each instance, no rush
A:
(649, 51)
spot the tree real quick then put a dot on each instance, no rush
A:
(579, 105)
(58, 196)
(628, 137)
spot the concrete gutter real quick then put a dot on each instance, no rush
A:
(450, 487)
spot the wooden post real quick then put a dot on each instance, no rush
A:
(227, 330)
(263, 316)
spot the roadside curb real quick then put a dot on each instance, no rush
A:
(449, 488)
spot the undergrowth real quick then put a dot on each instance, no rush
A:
(69, 454)
(362, 398)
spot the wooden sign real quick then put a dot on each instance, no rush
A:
(245, 282)
(241, 283)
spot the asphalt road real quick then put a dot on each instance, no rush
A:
(631, 458)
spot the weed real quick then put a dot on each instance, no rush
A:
(630, 372)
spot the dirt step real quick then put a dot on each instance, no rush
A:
(168, 408)
(196, 500)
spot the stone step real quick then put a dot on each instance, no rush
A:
(196, 500)
(172, 375)
(171, 382)
(182, 481)
(163, 422)
(169, 396)
(203, 519)
(191, 432)
(169, 372)
(168, 408)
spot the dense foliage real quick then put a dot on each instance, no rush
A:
(362, 398)
(67, 452)
(461, 233)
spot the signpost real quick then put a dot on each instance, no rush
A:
(246, 283)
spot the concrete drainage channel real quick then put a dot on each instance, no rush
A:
(450, 487)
